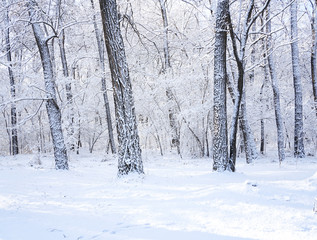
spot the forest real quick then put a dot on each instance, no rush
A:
(158, 119)
(175, 56)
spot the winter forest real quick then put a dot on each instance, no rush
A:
(174, 119)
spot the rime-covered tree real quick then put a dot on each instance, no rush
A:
(275, 88)
(172, 111)
(299, 150)
(239, 54)
(129, 152)
(313, 57)
(53, 110)
(101, 51)
(220, 139)
(14, 145)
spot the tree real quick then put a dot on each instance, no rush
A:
(101, 51)
(68, 85)
(299, 150)
(129, 152)
(220, 140)
(14, 132)
(240, 60)
(313, 64)
(275, 88)
(169, 93)
(53, 110)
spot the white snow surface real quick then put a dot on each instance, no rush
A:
(175, 199)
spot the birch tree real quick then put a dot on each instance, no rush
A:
(53, 110)
(299, 150)
(129, 152)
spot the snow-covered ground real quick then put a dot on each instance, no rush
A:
(176, 199)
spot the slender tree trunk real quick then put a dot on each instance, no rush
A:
(263, 103)
(220, 132)
(247, 140)
(276, 92)
(299, 150)
(170, 96)
(253, 38)
(101, 52)
(239, 57)
(53, 111)
(14, 130)
(262, 126)
(68, 86)
(129, 152)
(234, 121)
(167, 63)
(313, 55)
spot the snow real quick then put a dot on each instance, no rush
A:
(175, 199)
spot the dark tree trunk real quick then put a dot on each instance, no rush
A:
(53, 111)
(129, 152)
(313, 55)
(299, 150)
(14, 131)
(240, 60)
(220, 132)
(101, 52)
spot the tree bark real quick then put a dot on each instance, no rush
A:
(53, 111)
(14, 130)
(129, 152)
(68, 86)
(248, 138)
(313, 55)
(239, 57)
(299, 150)
(172, 111)
(220, 132)
(264, 84)
(276, 92)
(101, 52)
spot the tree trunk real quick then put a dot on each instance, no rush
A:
(68, 86)
(53, 111)
(240, 59)
(248, 138)
(129, 152)
(220, 132)
(298, 131)
(253, 38)
(14, 131)
(172, 111)
(262, 126)
(101, 52)
(264, 84)
(167, 63)
(276, 92)
(313, 55)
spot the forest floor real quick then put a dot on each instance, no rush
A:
(176, 199)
